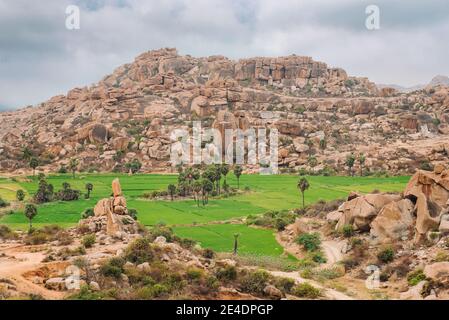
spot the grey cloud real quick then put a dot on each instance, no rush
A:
(40, 58)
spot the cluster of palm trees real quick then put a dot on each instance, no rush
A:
(351, 160)
(202, 183)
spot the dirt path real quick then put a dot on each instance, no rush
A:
(327, 292)
(15, 261)
(333, 251)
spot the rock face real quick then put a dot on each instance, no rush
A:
(111, 214)
(430, 190)
(317, 109)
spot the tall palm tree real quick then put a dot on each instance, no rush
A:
(171, 190)
(73, 165)
(34, 163)
(30, 213)
(238, 172)
(350, 160)
(303, 185)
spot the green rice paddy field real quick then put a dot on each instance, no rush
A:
(274, 192)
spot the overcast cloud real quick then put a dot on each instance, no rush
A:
(40, 58)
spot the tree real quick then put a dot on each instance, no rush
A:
(89, 188)
(27, 154)
(34, 163)
(350, 160)
(323, 144)
(73, 165)
(236, 242)
(207, 187)
(171, 190)
(197, 188)
(20, 195)
(362, 160)
(30, 213)
(303, 185)
(238, 172)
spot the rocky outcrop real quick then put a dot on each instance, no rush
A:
(111, 215)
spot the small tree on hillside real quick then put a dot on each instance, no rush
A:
(89, 188)
(238, 172)
(171, 190)
(303, 185)
(73, 165)
(34, 163)
(350, 160)
(362, 160)
(30, 213)
(20, 195)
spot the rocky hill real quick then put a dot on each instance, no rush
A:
(322, 114)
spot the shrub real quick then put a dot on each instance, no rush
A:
(228, 273)
(194, 274)
(348, 230)
(386, 255)
(67, 193)
(285, 284)
(310, 241)
(415, 277)
(3, 203)
(113, 268)
(151, 292)
(139, 251)
(132, 213)
(87, 213)
(318, 257)
(306, 290)
(208, 253)
(254, 281)
(88, 240)
(7, 233)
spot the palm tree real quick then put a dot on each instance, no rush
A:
(73, 165)
(34, 163)
(303, 185)
(197, 187)
(20, 195)
(89, 188)
(171, 190)
(362, 160)
(30, 213)
(207, 187)
(238, 172)
(350, 160)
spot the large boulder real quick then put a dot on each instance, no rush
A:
(360, 211)
(395, 221)
(430, 191)
(438, 272)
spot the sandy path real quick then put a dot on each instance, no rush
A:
(327, 292)
(333, 251)
(16, 262)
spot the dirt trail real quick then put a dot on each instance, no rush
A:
(333, 251)
(327, 292)
(14, 262)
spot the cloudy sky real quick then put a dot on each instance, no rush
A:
(40, 58)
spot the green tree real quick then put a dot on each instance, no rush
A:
(323, 144)
(350, 160)
(238, 172)
(197, 188)
(207, 188)
(171, 190)
(89, 187)
(27, 154)
(34, 163)
(362, 160)
(73, 165)
(20, 195)
(30, 213)
(303, 185)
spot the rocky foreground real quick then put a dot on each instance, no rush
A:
(322, 114)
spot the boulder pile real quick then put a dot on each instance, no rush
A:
(111, 215)
(422, 209)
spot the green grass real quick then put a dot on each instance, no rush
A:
(220, 237)
(266, 193)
